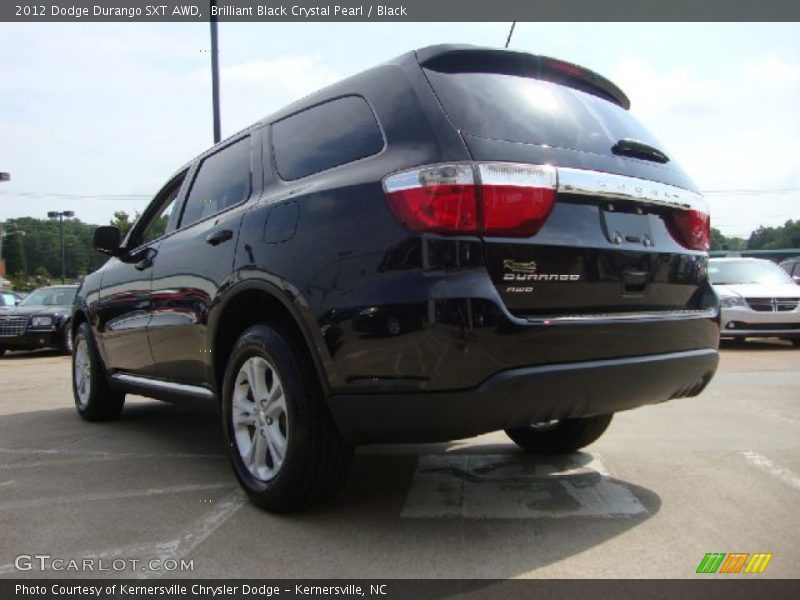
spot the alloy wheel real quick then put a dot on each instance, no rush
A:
(82, 372)
(68, 342)
(260, 418)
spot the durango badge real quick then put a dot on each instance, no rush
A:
(526, 271)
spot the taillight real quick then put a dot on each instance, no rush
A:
(441, 198)
(517, 199)
(500, 199)
(691, 228)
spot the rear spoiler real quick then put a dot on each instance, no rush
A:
(475, 59)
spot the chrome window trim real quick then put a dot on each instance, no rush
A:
(609, 185)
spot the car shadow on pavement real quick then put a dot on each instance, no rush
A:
(452, 510)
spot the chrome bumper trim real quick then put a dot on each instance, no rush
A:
(667, 315)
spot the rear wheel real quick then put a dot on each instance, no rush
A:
(559, 437)
(796, 341)
(284, 446)
(94, 398)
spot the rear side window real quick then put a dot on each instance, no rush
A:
(532, 111)
(222, 182)
(325, 136)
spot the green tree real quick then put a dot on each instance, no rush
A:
(14, 253)
(122, 221)
(775, 238)
(718, 241)
(41, 247)
(721, 242)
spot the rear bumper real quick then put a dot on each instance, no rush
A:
(524, 395)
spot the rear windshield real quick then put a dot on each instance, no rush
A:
(531, 111)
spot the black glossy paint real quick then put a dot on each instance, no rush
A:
(384, 310)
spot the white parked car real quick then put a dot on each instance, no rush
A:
(758, 299)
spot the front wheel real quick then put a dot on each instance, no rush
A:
(284, 446)
(66, 339)
(94, 398)
(559, 437)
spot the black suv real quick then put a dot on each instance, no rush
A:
(458, 241)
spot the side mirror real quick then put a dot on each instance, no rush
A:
(796, 279)
(106, 239)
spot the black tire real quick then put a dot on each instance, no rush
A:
(563, 437)
(66, 338)
(316, 457)
(795, 341)
(102, 402)
(3, 351)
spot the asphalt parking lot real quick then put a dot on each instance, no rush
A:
(666, 485)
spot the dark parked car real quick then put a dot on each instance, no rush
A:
(540, 259)
(40, 320)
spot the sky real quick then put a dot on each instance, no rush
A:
(94, 117)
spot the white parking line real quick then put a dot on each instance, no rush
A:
(186, 541)
(178, 489)
(200, 531)
(762, 462)
(176, 549)
(475, 486)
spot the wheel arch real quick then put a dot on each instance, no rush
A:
(251, 302)
(77, 317)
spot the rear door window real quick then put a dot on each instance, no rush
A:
(325, 136)
(222, 181)
(528, 110)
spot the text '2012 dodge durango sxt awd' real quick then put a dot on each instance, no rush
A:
(458, 241)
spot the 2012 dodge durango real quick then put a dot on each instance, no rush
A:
(458, 241)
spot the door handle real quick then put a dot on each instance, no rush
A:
(217, 237)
